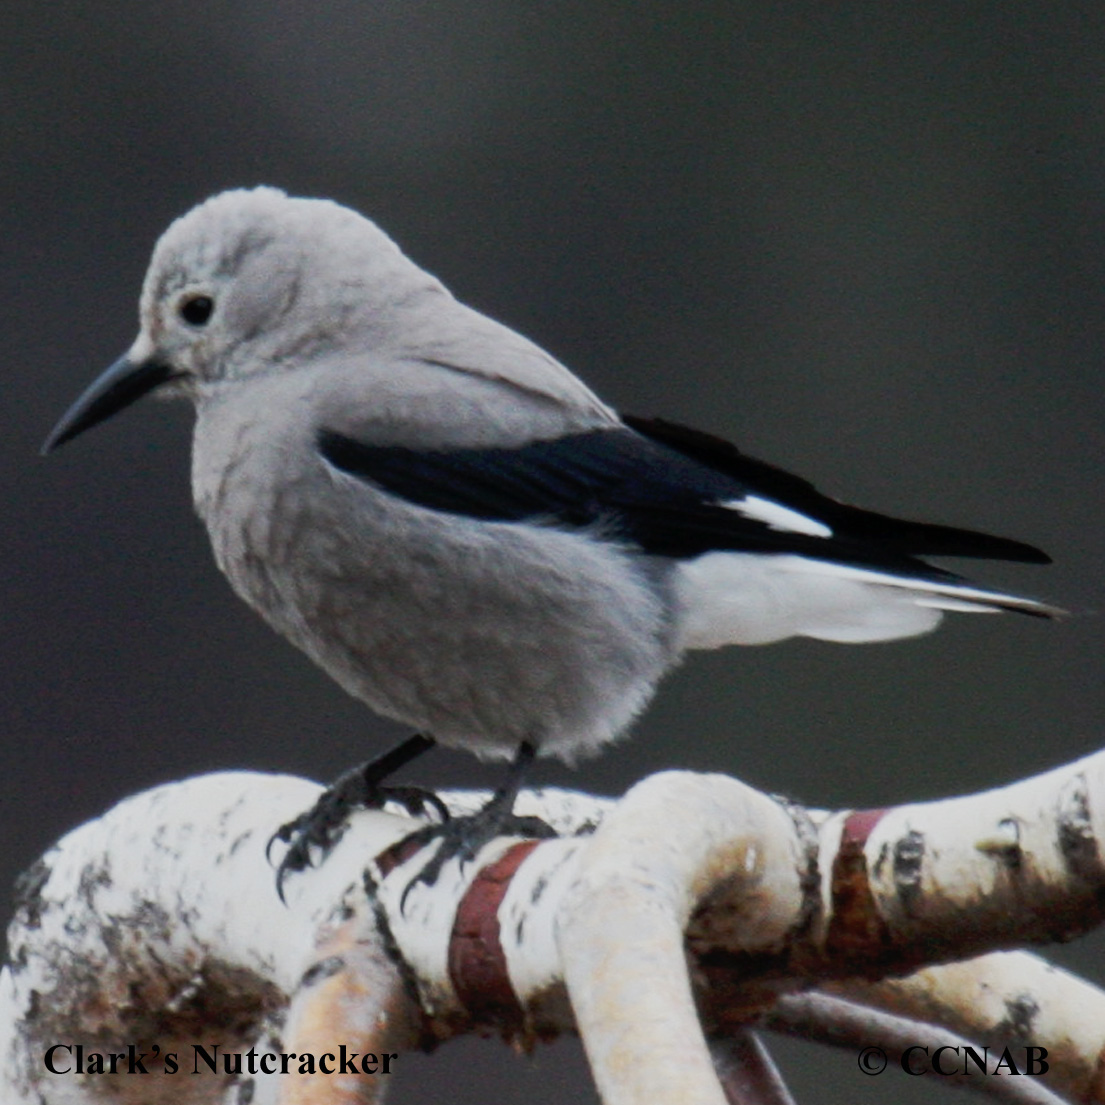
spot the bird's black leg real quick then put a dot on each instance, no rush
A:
(464, 836)
(322, 826)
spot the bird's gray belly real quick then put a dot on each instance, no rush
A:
(480, 634)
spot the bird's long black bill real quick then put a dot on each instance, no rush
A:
(125, 382)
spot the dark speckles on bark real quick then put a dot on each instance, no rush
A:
(323, 969)
(238, 841)
(17, 960)
(539, 888)
(388, 942)
(909, 854)
(147, 919)
(95, 876)
(29, 905)
(810, 839)
(1076, 837)
(229, 814)
(166, 842)
(1019, 1023)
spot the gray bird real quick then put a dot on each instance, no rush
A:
(455, 527)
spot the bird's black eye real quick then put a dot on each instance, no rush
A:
(196, 309)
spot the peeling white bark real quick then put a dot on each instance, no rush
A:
(692, 910)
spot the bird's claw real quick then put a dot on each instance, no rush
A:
(314, 834)
(461, 838)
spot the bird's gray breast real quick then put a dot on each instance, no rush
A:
(482, 634)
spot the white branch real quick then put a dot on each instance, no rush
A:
(1007, 996)
(832, 1020)
(622, 925)
(158, 924)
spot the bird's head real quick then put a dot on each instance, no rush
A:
(251, 282)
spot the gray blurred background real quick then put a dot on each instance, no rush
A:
(866, 241)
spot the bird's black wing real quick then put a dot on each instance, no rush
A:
(913, 538)
(616, 476)
(671, 491)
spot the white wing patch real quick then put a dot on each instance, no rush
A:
(776, 516)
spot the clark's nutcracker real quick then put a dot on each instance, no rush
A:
(455, 527)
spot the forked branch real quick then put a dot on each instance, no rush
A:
(661, 928)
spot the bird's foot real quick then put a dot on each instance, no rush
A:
(313, 834)
(463, 837)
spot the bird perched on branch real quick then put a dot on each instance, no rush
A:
(455, 527)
